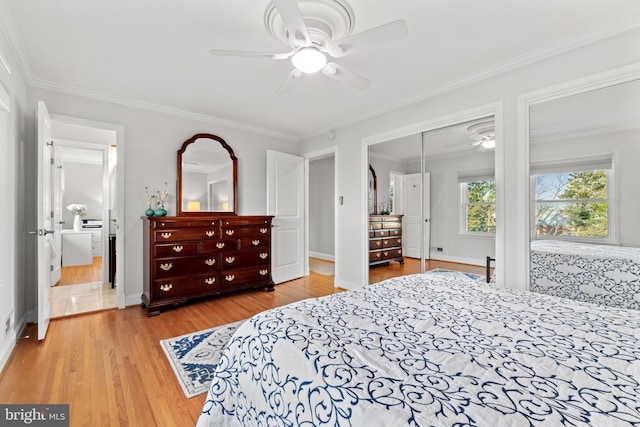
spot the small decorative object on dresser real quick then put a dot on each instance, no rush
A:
(385, 239)
(188, 257)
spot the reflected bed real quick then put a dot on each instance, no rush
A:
(600, 274)
(430, 350)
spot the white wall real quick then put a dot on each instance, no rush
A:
(445, 211)
(83, 184)
(13, 227)
(599, 56)
(322, 202)
(152, 140)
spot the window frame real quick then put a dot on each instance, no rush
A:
(611, 200)
(464, 205)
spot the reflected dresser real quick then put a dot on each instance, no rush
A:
(385, 239)
(189, 257)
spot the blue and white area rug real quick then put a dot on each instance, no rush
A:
(194, 357)
(446, 272)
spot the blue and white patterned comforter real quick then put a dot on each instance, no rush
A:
(429, 350)
(599, 274)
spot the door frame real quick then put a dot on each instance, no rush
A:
(120, 199)
(495, 109)
(308, 157)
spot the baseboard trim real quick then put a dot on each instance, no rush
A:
(339, 283)
(322, 256)
(459, 260)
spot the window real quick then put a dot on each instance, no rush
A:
(478, 196)
(573, 205)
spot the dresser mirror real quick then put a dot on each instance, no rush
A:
(207, 177)
(373, 192)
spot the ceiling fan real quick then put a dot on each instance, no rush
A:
(482, 135)
(323, 30)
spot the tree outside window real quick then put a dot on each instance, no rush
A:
(573, 204)
(479, 200)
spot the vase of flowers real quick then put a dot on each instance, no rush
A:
(150, 211)
(78, 210)
(162, 198)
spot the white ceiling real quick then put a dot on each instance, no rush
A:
(155, 54)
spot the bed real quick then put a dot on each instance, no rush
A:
(430, 350)
(600, 274)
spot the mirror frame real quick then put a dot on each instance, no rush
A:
(375, 191)
(234, 160)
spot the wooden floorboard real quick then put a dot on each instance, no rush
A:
(109, 366)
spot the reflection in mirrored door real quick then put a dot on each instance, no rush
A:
(585, 234)
(442, 184)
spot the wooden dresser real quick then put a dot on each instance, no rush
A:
(188, 257)
(385, 239)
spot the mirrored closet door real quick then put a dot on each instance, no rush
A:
(441, 185)
(584, 204)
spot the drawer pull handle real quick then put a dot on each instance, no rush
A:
(378, 243)
(166, 288)
(255, 242)
(378, 255)
(178, 248)
(230, 259)
(264, 230)
(165, 235)
(210, 261)
(166, 267)
(210, 281)
(386, 253)
(263, 255)
(264, 272)
(229, 278)
(230, 232)
(210, 233)
(219, 245)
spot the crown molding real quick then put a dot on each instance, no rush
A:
(492, 71)
(100, 96)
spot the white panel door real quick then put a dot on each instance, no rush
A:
(45, 231)
(285, 201)
(414, 216)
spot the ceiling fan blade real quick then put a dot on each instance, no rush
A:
(373, 37)
(288, 83)
(250, 54)
(343, 75)
(458, 146)
(290, 13)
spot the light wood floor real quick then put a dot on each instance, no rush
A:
(109, 366)
(77, 274)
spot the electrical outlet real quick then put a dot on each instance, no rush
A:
(439, 249)
(7, 326)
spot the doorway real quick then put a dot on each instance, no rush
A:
(320, 172)
(86, 162)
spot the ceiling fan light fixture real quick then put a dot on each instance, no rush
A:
(309, 60)
(489, 143)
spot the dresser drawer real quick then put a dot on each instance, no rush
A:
(391, 225)
(375, 256)
(176, 249)
(391, 253)
(215, 246)
(392, 233)
(375, 226)
(176, 235)
(241, 277)
(375, 244)
(185, 286)
(254, 242)
(382, 233)
(240, 231)
(169, 223)
(392, 243)
(169, 267)
(233, 260)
